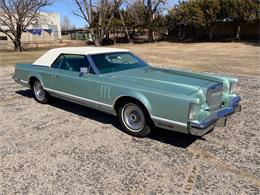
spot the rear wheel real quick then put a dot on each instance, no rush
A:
(40, 95)
(134, 119)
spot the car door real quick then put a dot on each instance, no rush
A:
(69, 83)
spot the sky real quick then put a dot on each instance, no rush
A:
(66, 7)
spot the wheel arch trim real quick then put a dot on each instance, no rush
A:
(37, 76)
(139, 97)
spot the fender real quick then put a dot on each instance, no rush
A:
(137, 95)
(36, 75)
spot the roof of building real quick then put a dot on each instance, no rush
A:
(50, 56)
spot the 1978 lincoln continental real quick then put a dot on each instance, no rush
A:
(117, 82)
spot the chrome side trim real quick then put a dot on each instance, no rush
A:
(78, 98)
(25, 82)
(168, 121)
(20, 81)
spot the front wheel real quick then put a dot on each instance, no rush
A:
(134, 119)
(40, 95)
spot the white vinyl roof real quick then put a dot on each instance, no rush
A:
(48, 58)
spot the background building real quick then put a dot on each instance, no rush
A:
(46, 29)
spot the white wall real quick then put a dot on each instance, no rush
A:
(49, 21)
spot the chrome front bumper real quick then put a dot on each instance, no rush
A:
(217, 119)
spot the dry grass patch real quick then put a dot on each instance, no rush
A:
(238, 58)
(12, 58)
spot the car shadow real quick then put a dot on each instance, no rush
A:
(173, 138)
(162, 135)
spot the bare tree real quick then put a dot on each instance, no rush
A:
(97, 16)
(66, 24)
(150, 7)
(124, 26)
(17, 15)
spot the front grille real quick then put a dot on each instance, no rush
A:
(214, 97)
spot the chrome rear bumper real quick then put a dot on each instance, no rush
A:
(217, 119)
(19, 81)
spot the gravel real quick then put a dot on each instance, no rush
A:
(67, 148)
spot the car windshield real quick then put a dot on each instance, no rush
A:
(117, 61)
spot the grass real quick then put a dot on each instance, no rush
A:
(237, 58)
(9, 58)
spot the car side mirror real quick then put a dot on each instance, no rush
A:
(84, 70)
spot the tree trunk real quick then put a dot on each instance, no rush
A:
(95, 37)
(184, 32)
(150, 20)
(179, 33)
(17, 45)
(124, 26)
(150, 35)
(97, 42)
(17, 38)
(238, 31)
(211, 33)
(107, 35)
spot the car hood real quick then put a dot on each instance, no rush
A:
(161, 79)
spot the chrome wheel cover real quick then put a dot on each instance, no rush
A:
(133, 117)
(39, 91)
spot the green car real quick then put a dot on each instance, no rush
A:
(117, 82)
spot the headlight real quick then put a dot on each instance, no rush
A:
(193, 111)
(232, 87)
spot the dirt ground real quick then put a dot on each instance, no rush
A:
(66, 148)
